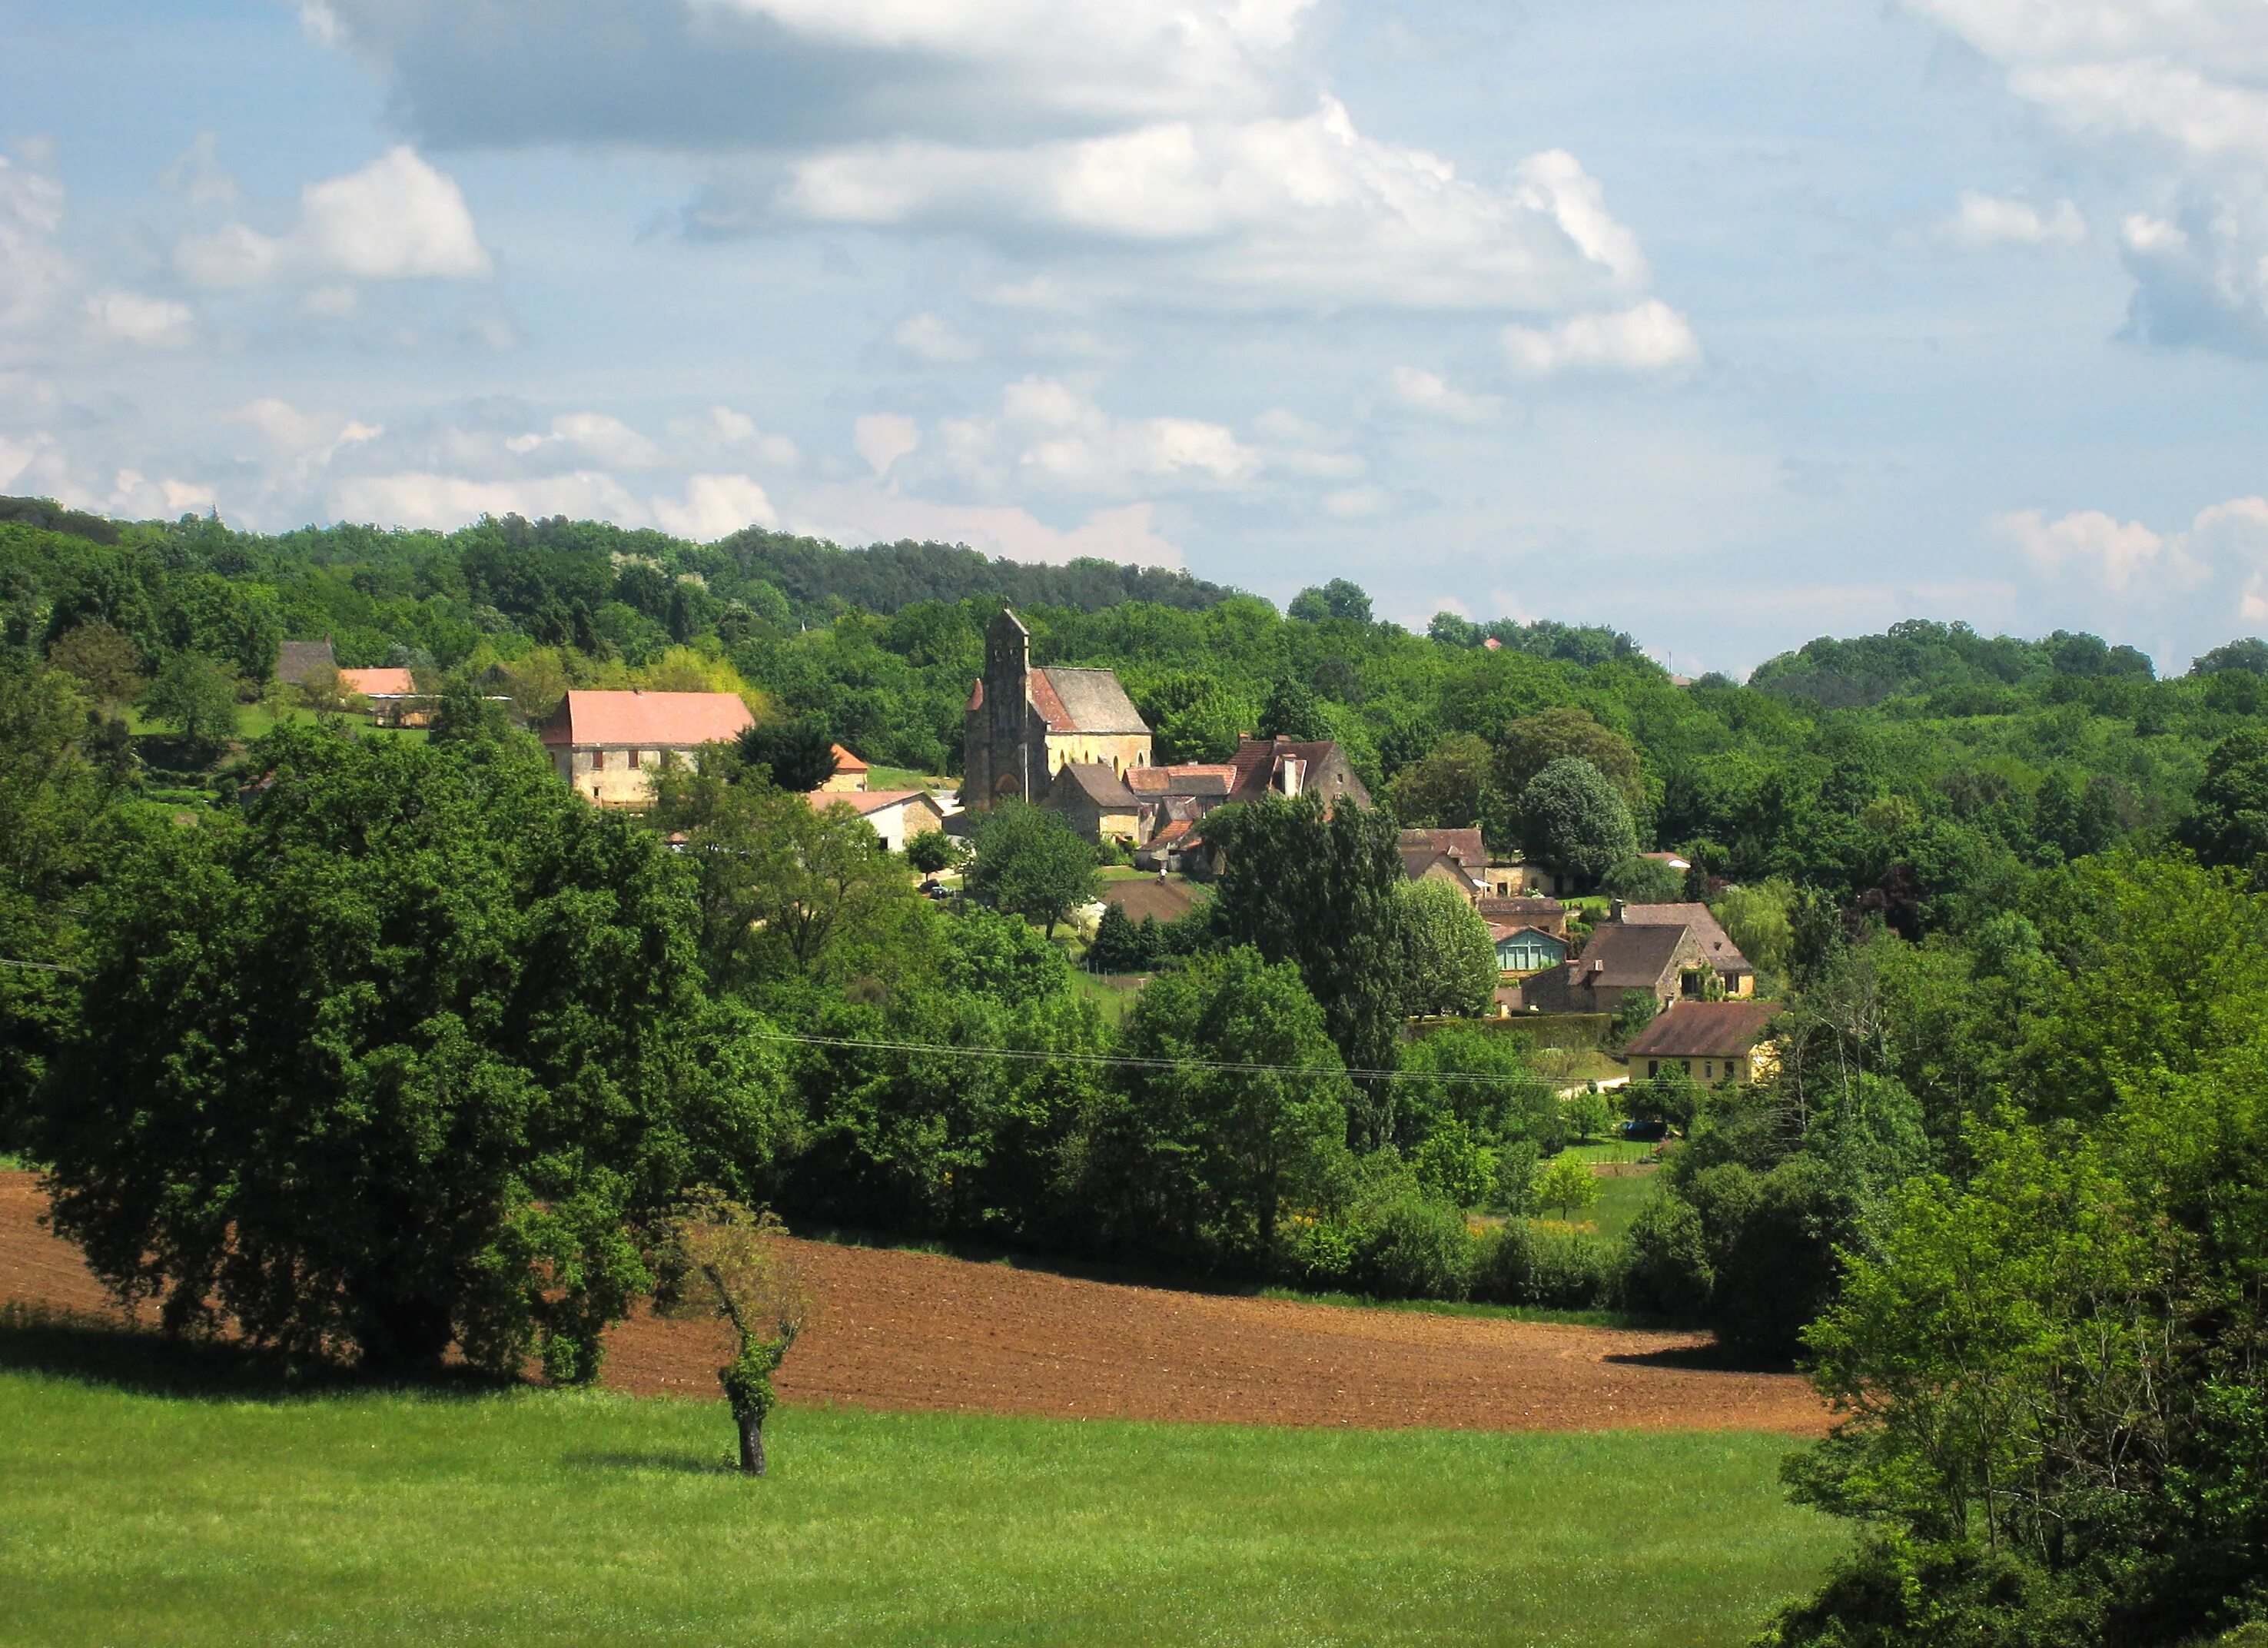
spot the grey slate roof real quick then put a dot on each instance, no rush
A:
(1092, 701)
(1716, 942)
(1625, 958)
(1100, 785)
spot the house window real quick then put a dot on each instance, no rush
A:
(1654, 1067)
(1709, 1069)
(634, 760)
(1689, 1066)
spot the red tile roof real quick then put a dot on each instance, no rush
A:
(378, 683)
(845, 762)
(1050, 707)
(656, 720)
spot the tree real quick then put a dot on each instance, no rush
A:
(104, 661)
(325, 691)
(1200, 1160)
(1451, 960)
(401, 1059)
(722, 1261)
(50, 803)
(1322, 889)
(1030, 860)
(1574, 820)
(1338, 599)
(198, 701)
(2228, 821)
(931, 851)
(1638, 879)
(1587, 1112)
(1759, 920)
(1450, 788)
(1291, 713)
(1534, 742)
(1565, 1183)
(1117, 946)
(786, 891)
(800, 755)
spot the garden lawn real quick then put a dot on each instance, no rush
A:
(136, 1515)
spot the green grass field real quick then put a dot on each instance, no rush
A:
(1113, 993)
(131, 1512)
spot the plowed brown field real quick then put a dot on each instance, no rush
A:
(911, 1330)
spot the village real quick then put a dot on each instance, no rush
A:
(1070, 741)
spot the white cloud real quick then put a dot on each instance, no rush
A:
(883, 437)
(2087, 544)
(1291, 210)
(1421, 391)
(397, 218)
(722, 429)
(1060, 438)
(130, 316)
(1356, 503)
(2172, 91)
(1126, 533)
(1649, 339)
(313, 436)
(1983, 220)
(715, 506)
(594, 436)
(33, 269)
(930, 339)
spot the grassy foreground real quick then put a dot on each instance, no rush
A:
(136, 1515)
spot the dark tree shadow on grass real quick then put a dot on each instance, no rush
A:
(677, 1464)
(103, 1351)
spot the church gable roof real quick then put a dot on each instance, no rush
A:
(1084, 701)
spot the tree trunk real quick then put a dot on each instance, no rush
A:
(752, 1443)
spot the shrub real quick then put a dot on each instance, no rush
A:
(1526, 1264)
(1409, 1246)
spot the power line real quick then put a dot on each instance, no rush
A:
(1127, 1061)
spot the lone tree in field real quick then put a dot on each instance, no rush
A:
(724, 1262)
(1565, 1183)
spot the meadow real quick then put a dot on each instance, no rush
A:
(139, 1508)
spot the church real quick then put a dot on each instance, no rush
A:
(1024, 724)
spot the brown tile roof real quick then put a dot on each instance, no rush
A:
(379, 683)
(1625, 958)
(1417, 862)
(661, 720)
(1523, 910)
(297, 661)
(976, 697)
(1701, 1029)
(1084, 701)
(1464, 845)
(1099, 784)
(1258, 759)
(1195, 778)
(1716, 944)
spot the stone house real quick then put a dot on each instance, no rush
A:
(1711, 1041)
(1024, 722)
(1430, 864)
(394, 700)
(608, 745)
(1738, 973)
(1097, 803)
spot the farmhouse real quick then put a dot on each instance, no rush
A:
(1430, 864)
(1710, 1040)
(1024, 723)
(1740, 978)
(608, 745)
(394, 700)
(898, 815)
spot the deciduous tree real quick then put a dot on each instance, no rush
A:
(722, 1261)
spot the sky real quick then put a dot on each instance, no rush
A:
(1729, 324)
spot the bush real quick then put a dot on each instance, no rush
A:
(1523, 1265)
(1409, 1246)
(1666, 1269)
